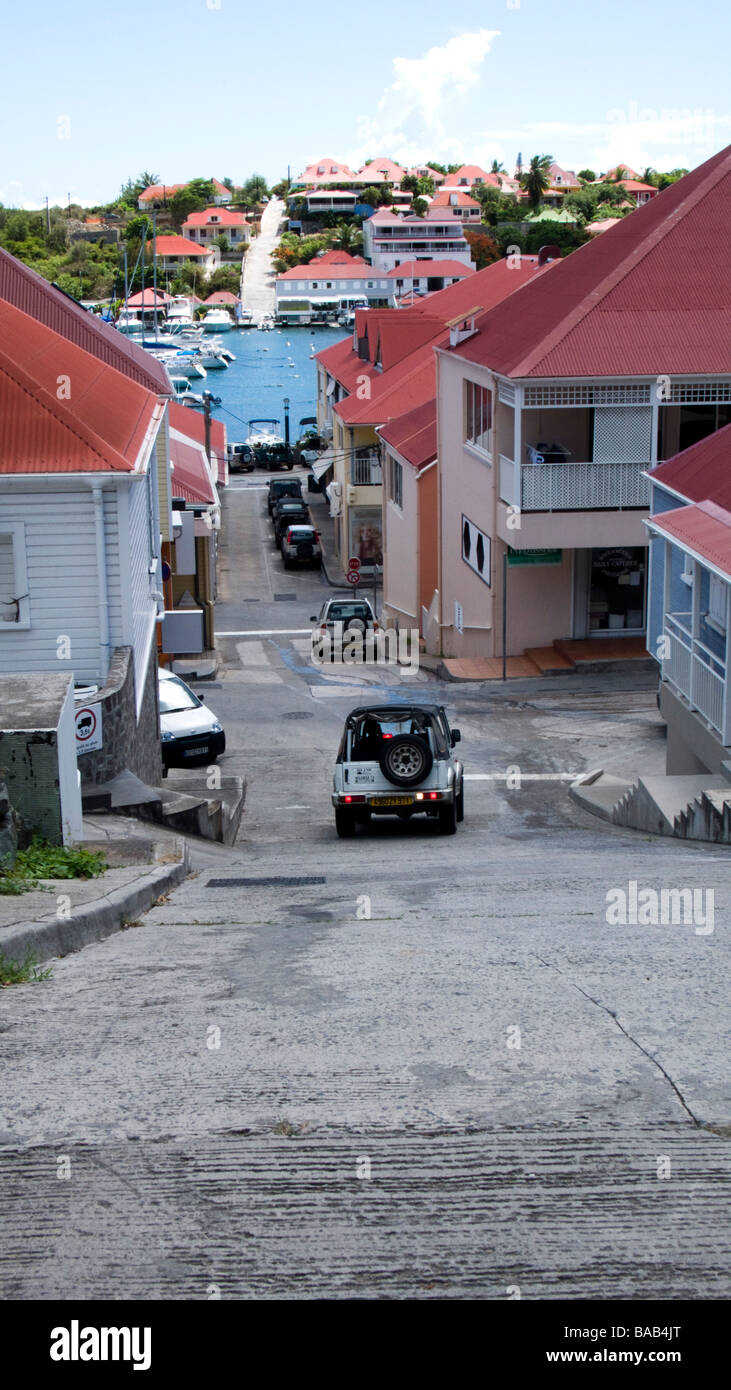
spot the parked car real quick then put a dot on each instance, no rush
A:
(189, 730)
(398, 760)
(283, 487)
(355, 615)
(301, 546)
(288, 500)
(240, 458)
(290, 514)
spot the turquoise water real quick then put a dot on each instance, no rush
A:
(268, 367)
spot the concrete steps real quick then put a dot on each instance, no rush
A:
(184, 804)
(694, 807)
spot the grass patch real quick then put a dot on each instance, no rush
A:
(21, 972)
(41, 860)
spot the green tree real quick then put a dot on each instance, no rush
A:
(420, 207)
(497, 167)
(371, 196)
(537, 178)
(587, 175)
(147, 180)
(255, 188)
(223, 243)
(410, 183)
(137, 228)
(584, 202)
(227, 277)
(347, 237)
(185, 201)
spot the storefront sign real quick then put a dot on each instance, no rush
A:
(534, 557)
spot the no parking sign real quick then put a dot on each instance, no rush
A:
(88, 729)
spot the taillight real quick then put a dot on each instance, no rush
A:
(433, 796)
(353, 798)
(375, 625)
(288, 539)
(317, 536)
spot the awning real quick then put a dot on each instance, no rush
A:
(320, 468)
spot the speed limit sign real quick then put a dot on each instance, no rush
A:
(353, 577)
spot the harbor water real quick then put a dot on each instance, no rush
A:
(269, 366)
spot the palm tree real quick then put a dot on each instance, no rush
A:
(648, 175)
(147, 180)
(496, 167)
(347, 237)
(537, 179)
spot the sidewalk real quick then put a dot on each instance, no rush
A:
(145, 862)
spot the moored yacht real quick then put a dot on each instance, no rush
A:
(217, 321)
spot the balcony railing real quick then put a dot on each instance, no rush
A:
(569, 486)
(692, 669)
(365, 468)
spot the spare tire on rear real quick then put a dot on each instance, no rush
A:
(406, 760)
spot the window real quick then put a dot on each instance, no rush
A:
(396, 482)
(14, 600)
(717, 595)
(478, 423)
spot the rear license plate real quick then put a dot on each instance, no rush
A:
(391, 801)
(195, 752)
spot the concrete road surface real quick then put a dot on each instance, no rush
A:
(401, 1066)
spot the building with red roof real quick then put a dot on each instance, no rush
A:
(79, 531)
(323, 173)
(689, 611)
(391, 237)
(383, 371)
(553, 405)
(159, 195)
(173, 251)
(469, 175)
(456, 201)
(205, 227)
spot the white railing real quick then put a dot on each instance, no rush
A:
(556, 487)
(365, 468)
(694, 671)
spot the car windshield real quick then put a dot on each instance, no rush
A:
(340, 612)
(301, 532)
(175, 696)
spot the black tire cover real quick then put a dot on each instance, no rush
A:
(395, 751)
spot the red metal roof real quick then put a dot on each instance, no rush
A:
(414, 435)
(453, 197)
(340, 258)
(27, 290)
(701, 472)
(190, 477)
(704, 528)
(148, 299)
(221, 297)
(650, 297)
(332, 271)
(62, 409)
(419, 269)
(187, 422)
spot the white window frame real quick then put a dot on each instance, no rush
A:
(395, 483)
(480, 439)
(717, 603)
(16, 531)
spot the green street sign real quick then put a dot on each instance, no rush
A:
(534, 557)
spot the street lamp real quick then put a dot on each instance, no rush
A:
(286, 421)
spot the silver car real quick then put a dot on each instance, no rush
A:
(398, 760)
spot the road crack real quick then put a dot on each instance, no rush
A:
(613, 1015)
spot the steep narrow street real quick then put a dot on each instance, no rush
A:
(258, 277)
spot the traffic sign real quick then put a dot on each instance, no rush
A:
(353, 577)
(354, 563)
(89, 729)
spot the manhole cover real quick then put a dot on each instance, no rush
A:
(285, 598)
(298, 714)
(285, 882)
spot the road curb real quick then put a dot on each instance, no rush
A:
(97, 920)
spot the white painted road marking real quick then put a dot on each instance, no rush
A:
(522, 776)
(267, 632)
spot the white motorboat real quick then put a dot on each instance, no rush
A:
(129, 322)
(267, 324)
(246, 319)
(215, 358)
(217, 321)
(180, 310)
(181, 363)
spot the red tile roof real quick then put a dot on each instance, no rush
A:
(381, 171)
(221, 297)
(223, 218)
(650, 297)
(705, 528)
(419, 269)
(179, 246)
(101, 427)
(340, 258)
(453, 197)
(700, 472)
(148, 299)
(414, 435)
(35, 296)
(471, 172)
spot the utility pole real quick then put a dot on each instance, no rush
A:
(207, 419)
(48, 218)
(154, 268)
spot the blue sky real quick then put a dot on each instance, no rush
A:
(91, 95)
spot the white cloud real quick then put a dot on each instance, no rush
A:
(412, 111)
(639, 136)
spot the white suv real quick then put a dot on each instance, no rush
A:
(397, 760)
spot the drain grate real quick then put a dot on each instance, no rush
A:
(285, 598)
(285, 882)
(298, 714)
